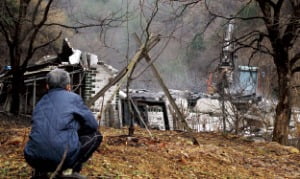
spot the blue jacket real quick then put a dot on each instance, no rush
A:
(56, 121)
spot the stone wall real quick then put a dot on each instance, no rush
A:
(95, 79)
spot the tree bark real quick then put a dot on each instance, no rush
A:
(280, 45)
(17, 86)
(283, 108)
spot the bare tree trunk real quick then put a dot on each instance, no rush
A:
(17, 77)
(283, 109)
(17, 86)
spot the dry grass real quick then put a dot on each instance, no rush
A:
(169, 154)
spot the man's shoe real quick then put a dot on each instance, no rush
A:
(74, 175)
(78, 176)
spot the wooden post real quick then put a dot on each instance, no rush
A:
(80, 85)
(164, 87)
(140, 116)
(26, 100)
(34, 94)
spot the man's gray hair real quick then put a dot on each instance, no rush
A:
(58, 78)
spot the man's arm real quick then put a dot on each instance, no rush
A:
(85, 117)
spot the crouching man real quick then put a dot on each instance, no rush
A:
(64, 131)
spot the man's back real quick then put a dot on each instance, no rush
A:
(56, 119)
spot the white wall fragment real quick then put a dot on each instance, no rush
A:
(75, 57)
(93, 60)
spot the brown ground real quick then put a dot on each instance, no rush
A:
(169, 154)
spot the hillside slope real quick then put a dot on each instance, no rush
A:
(169, 154)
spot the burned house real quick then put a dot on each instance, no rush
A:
(144, 108)
(153, 109)
(88, 77)
(114, 108)
(87, 73)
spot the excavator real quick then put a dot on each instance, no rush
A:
(222, 78)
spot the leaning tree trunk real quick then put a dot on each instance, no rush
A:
(283, 109)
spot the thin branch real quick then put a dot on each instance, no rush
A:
(45, 44)
(46, 12)
(6, 34)
(254, 52)
(151, 19)
(150, 63)
(295, 59)
(36, 11)
(59, 167)
(266, 10)
(293, 26)
(259, 36)
(31, 50)
(296, 69)
(233, 17)
(185, 6)
(86, 25)
(242, 46)
(8, 10)
(279, 4)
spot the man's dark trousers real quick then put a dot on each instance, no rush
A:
(89, 143)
